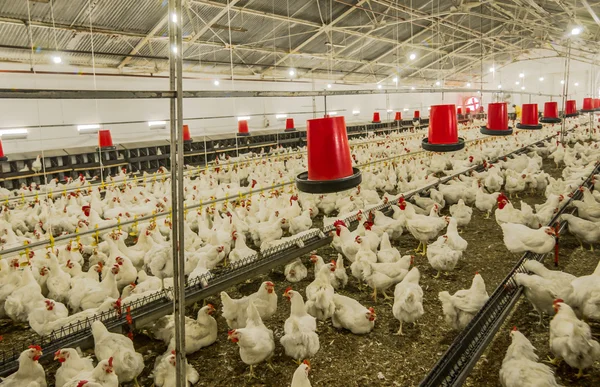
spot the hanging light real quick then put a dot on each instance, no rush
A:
(412, 56)
(292, 72)
(174, 49)
(437, 83)
(492, 69)
(56, 59)
(541, 79)
(329, 85)
(174, 17)
(405, 109)
(521, 75)
(562, 82)
(379, 86)
(522, 87)
(216, 82)
(576, 83)
(395, 79)
(517, 83)
(499, 86)
(468, 84)
(412, 88)
(576, 31)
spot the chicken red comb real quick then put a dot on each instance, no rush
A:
(558, 300)
(307, 362)
(287, 290)
(333, 262)
(82, 383)
(230, 332)
(515, 328)
(173, 352)
(269, 283)
(36, 347)
(110, 359)
(476, 273)
(372, 310)
(339, 223)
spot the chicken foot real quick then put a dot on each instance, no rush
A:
(418, 247)
(385, 295)
(424, 252)
(270, 365)
(399, 333)
(438, 274)
(555, 362)
(487, 215)
(580, 374)
(251, 375)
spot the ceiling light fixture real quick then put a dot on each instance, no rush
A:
(88, 128)
(541, 79)
(412, 56)
(57, 59)
(576, 31)
(292, 72)
(521, 75)
(13, 134)
(216, 82)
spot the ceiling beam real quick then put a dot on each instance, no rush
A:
(144, 41)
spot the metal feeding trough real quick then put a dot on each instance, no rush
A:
(329, 163)
(497, 124)
(443, 130)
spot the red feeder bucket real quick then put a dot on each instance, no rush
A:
(596, 103)
(329, 162)
(550, 113)
(187, 137)
(105, 140)
(443, 130)
(376, 119)
(588, 105)
(243, 128)
(529, 117)
(2, 157)
(417, 115)
(468, 111)
(398, 116)
(497, 124)
(571, 108)
(289, 125)
(459, 111)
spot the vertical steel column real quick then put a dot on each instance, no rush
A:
(565, 91)
(176, 126)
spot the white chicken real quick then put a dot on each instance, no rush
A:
(519, 238)
(571, 339)
(461, 212)
(71, 365)
(520, 367)
(539, 291)
(30, 372)
(128, 364)
(460, 307)
(300, 378)
(255, 341)
(300, 340)
(165, 372)
(234, 310)
(199, 333)
(295, 271)
(441, 256)
(408, 299)
(103, 375)
(351, 315)
(319, 294)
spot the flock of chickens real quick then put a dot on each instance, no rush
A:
(55, 286)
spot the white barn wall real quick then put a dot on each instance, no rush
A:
(20, 113)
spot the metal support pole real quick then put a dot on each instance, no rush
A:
(325, 104)
(565, 91)
(176, 126)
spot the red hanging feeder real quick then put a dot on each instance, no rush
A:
(571, 108)
(468, 111)
(588, 105)
(459, 111)
(289, 125)
(398, 116)
(243, 128)
(187, 137)
(2, 156)
(329, 162)
(497, 124)
(550, 115)
(443, 130)
(417, 115)
(529, 117)
(596, 104)
(105, 142)
(376, 119)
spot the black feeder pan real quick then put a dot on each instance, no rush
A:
(328, 186)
